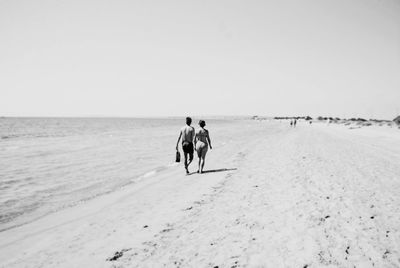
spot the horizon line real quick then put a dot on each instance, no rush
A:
(183, 116)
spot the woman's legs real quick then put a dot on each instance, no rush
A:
(203, 158)
(198, 170)
(201, 153)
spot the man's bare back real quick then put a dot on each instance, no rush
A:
(187, 134)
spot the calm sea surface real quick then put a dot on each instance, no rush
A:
(47, 164)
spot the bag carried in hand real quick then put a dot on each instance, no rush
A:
(178, 157)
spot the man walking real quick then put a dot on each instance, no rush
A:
(187, 135)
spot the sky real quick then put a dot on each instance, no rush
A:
(336, 58)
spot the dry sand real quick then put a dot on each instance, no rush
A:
(314, 196)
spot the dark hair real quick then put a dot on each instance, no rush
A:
(202, 123)
(188, 121)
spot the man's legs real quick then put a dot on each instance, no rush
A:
(190, 159)
(188, 154)
(186, 162)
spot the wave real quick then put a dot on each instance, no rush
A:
(32, 135)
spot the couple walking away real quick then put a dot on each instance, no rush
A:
(191, 139)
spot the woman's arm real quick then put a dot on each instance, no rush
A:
(209, 140)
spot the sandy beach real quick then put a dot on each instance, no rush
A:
(312, 196)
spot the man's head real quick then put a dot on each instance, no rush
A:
(188, 121)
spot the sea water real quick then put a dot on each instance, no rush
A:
(47, 164)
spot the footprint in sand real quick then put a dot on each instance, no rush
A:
(118, 254)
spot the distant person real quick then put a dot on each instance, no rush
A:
(201, 142)
(291, 122)
(294, 123)
(187, 134)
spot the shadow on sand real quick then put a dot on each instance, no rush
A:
(214, 170)
(218, 170)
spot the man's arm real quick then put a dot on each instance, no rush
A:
(194, 139)
(209, 140)
(179, 138)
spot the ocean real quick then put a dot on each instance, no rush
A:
(48, 164)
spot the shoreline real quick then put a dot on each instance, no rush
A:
(137, 179)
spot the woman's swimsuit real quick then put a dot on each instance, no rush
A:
(202, 143)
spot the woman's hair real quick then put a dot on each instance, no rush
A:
(202, 123)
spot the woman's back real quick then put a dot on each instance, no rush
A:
(202, 135)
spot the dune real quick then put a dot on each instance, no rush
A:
(314, 196)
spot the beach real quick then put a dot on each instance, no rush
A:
(320, 195)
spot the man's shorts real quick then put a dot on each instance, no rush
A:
(188, 148)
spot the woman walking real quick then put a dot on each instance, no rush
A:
(201, 143)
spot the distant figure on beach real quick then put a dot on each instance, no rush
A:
(201, 142)
(187, 134)
(291, 122)
(294, 123)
